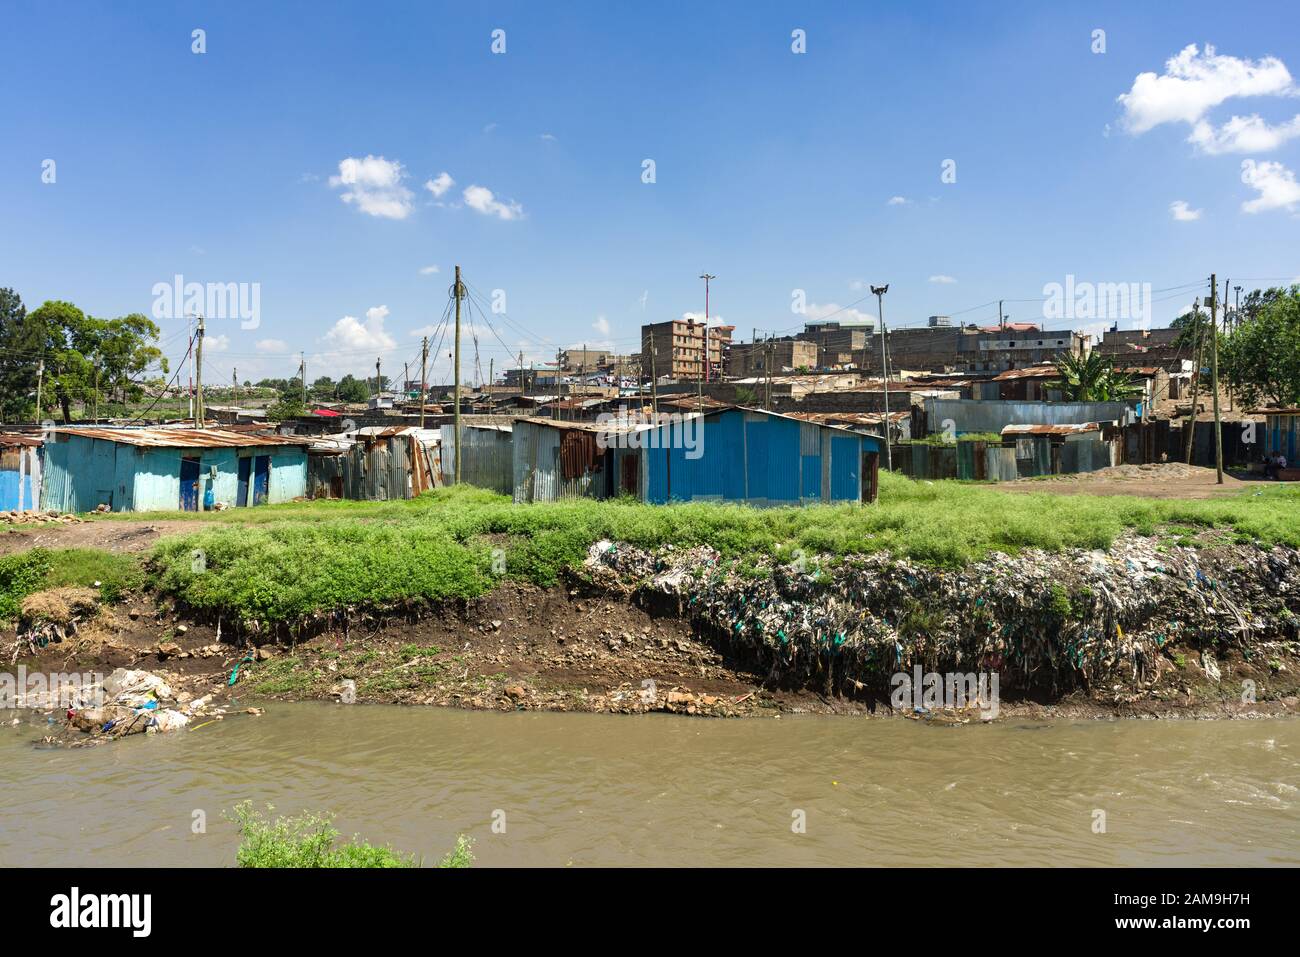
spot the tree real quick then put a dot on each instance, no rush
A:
(323, 387)
(1260, 357)
(289, 407)
(86, 358)
(351, 389)
(18, 359)
(1091, 377)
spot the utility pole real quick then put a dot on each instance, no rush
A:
(1190, 428)
(199, 418)
(234, 382)
(379, 377)
(654, 380)
(424, 373)
(707, 277)
(302, 371)
(879, 292)
(40, 378)
(491, 374)
(523, 382)
(1002, 322)
(1214, 378)
(458, 292)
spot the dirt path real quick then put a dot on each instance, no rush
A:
(112, 535)
(1168, 480)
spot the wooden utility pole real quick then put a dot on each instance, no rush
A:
(198, 379)
(654, 380)
(1214, 377)
(40, 378)
(424, 373)
(491, 374)
(884, 369)
(523, 384)
(234, 382)
(458, 293)
(1190, 428)
(302, 371)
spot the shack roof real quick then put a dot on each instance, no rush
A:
(183, 438)
(1077, 429)
(1032, 372)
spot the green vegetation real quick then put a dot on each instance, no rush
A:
(23, 573)
(1092, 377)
(308, 840)
(283, 564)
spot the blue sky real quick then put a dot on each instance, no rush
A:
(774, 171)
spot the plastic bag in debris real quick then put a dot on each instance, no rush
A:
(135, 688)
(168, 720)
(1038, 618)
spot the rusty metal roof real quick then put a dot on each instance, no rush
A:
(9, 439)
(1032, 372)
(1076, 429)
(182, 438)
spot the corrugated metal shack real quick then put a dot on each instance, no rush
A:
(1282, 433)
(758, 458)
(20, 472)
(374, 464)
(971, 415)
(487, 456)
(178, 468)
(1061, 449)
(562, 460)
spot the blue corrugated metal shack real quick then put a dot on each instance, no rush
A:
(759, 458)
(1282, 433)
(20, 472)
(136, 470)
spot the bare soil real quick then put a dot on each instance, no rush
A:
(1169, 480)
(562, 649)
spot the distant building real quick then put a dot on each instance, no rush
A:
(677, 349)
(781, 355)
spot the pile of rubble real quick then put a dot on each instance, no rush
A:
(135, 702)
(41, 517)
(1050, 621)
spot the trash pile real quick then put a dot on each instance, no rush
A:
(134, 702)
(1049, 621)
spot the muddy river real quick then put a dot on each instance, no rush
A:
(578, 789)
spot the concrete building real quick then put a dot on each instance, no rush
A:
(678, 350)
(781, 355)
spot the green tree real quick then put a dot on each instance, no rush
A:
(289, 407)
(1260, 357)
(1092, 378)
(18, 359)
(352, 389)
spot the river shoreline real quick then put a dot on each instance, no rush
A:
(584, 647)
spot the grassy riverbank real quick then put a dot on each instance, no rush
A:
(282, 564)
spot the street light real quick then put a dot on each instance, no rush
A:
(879, 293)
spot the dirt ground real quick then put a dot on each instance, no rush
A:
(112, 535)
(1171, 480)
(559, 649)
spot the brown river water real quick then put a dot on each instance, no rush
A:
(579, 789)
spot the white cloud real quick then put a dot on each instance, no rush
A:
(1275, 184)
(489, 128)
(351, 335)
(428, 270)
(374, 185)
(857, 285)
(1182, 212)
(216, 343)
(549, 137)
(714, 320)
(899, 201)
(601, 325)
(440, 183)
(272, 345)
(1243, 134)
(943, 280)
(1194, 82)
(480, 198)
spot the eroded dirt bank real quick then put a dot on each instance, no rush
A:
(1075, 635)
